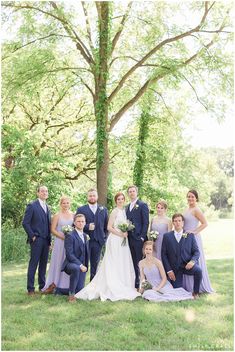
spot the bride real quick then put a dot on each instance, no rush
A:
(115, 279)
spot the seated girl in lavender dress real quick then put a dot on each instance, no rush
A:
(151, 269)
(162, 224)
(195, 222)
(56, 279)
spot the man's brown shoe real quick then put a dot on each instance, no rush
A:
(30, 293)
(71, 299)
(195, 295)
(50, 289)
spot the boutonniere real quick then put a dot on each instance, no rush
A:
(88, 238)
(185, 235)
(101, 208)
(136, 206)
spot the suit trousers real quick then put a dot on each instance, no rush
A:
(77, 278)
(136, 247)
(195, 271)
(94, 254)
(38, 255)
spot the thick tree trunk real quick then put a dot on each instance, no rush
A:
(101, 104)
(138, 173)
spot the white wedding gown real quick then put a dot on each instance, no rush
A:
(115, 277)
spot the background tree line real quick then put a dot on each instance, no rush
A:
(96, 94)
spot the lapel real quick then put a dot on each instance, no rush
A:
(134, 208)
(89, 210)
(78, 238)
(174, 242)
(41, 211)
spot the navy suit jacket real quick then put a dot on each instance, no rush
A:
(139, 216)
(175, 259)
(100, 219)
(75, 250)
(36, 222)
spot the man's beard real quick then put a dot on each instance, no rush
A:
(92, 201)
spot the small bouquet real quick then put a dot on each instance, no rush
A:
(124, 227)
(67, 229)
(153, 235)
(145, 285)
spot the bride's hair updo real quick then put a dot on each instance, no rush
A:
(118, 195)
(148, 243)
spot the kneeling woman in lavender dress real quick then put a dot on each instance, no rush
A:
(152, 270)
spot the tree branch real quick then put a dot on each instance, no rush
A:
(35, 40)
(120, 29)
(67, 26)
(115, 118)
(198, 99)
(88, 27)
(155, 49)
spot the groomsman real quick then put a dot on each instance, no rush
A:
(96, 227)
(180, 255)
(36, 222)
(76, 261)
(138, 213)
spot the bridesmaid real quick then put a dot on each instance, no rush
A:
(56, 278)
(162, 224)
(153, 271)
(195, 222)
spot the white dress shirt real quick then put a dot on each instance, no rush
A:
(80, 234)
(178, 235)
(93, 207)
(43, 205)
(133, 204)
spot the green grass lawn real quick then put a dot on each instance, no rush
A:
(51, 323)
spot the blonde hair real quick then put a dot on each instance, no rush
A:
(162, 203)
(148, 243)
(64, 198)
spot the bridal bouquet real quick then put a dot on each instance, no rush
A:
(153, 235)
(67, 229)
(124, 227)
(146, 285)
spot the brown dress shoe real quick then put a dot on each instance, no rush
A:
(50, 289)
(72, 299)
(195, 295)
(30, 293)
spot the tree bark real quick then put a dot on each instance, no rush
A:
(101, 104)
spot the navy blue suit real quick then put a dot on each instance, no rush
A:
(76, 252)
(139, 216)
(97, 236)
(37, 223)
(176, 255)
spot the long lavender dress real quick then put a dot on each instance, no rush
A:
(60, 279)
(190, 223)
(169, 293)
(161, 228)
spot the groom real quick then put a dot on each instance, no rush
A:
(138, 213)
(180, 255)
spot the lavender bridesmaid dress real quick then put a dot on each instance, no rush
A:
(60, 279)
(169, 293)
(190, 223)
(161, 228)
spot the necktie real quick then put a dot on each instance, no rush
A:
(44, 207)
(178, 235)
(93, 208)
